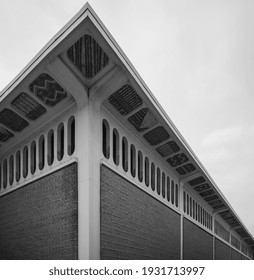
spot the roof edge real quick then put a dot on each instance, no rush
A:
(162, 112)
(79, 16)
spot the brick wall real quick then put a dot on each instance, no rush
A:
(134, 225)
(197, 244)
(243, 257)
(222, 250)
(235, 255)
(40, 220)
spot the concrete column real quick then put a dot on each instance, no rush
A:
(95, 148)
(181, 189)
(88, 146)
(213, 226)
(82, 148)
(230, 239)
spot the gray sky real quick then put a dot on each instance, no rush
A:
(195, 56)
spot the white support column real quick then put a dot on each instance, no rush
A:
(181, 189)
(46, 150)
(82, 148)
(55, 130)
(95, 148)
(213, 226)
(65, 138)
(29, 160)
(88, 146)
(230, 240)
(37, 152)
(8, 172)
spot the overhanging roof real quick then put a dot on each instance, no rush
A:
(80, 61)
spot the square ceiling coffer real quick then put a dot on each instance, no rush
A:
(143, 120)
(87, 56)
(168, 149)
(47, 90)
(202, 187)
(156, 135)
(28, 106)
(12, 120)
(125, 100)
(177, 160)
(185, 169)
(5, 134)
(197, 181)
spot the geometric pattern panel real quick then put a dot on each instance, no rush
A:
(11, 120)
(47, 90)
(156, 135)
(210, 198)
(125, 100)
(5, 134)
(87, 56)
(177, 160)
(185, 169)
(206, 193)
(168, 148)
(202, 187)
(28, 106)
(143, 120)
(218, 206)
(197, 181)
(216, 202)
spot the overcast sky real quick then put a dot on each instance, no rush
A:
(195, 56)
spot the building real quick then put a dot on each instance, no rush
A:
(91, 167)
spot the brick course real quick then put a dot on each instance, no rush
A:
(198, 244)
(222, 250)
(40, 220)
(135, 225)
(235, 255)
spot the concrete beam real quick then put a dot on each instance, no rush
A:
(108, 84)
(69, 81)
(191, 177)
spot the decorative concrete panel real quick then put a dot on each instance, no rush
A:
(28, 106)
(87, 56)
(47, 90)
